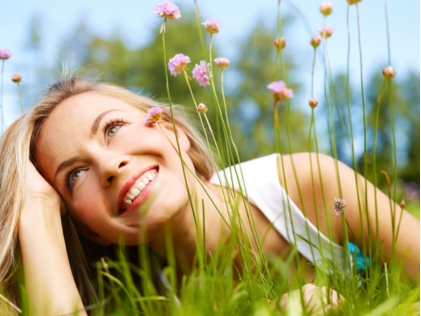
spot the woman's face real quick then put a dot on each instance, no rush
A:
(115, 174)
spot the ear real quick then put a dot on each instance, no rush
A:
(183, 139)
(92, 236)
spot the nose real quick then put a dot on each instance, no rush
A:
(110, 168)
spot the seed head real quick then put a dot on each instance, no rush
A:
(279, 43)
(326, 8)
(315, 41)
(351, 2)
(17, 77)
(388, 72)
(201, 108)
(313, 102)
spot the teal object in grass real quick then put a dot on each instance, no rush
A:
(358, 257)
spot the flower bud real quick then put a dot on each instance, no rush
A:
(17, 77)
(326, 8)
(313, 102)
(402, 204)
(315, 41)
(201, 108)
(5, 53)
(279, 43)
(388, 72)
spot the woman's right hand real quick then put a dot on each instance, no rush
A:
(48, 278)
(39, 192)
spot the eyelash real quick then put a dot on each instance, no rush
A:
(67, 183)
(112, 123)
(109, 124)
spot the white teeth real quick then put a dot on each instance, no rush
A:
(134, 192)
(140, 185)
(137, 188)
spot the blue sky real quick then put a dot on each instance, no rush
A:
(135, 19)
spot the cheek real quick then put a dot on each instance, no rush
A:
(87, 209)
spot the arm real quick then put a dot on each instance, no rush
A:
(48, 278)
(408, 240)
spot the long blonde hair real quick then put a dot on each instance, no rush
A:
(17, 145)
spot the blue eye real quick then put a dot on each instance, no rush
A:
(111, 127)
(75, 175)
(112, 131)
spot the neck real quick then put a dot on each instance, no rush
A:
(184, 231)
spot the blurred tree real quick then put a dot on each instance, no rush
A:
(252, 103)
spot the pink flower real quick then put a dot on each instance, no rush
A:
(167, 10)
(280, 91)
(326, 8)
(315, 41)
(17, 77)
(201, 108)
(313, 102)
(326, 31)
(5, 53)
(212, 26)
(221, 62)
(153, 116)
(388, 72)
(178, 63)
(339, 206)
(280, 43)
(351, 2)
(202, 73)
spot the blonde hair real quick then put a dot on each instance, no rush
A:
(17, 145)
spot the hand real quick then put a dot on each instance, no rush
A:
(39, 192)
(316, 300)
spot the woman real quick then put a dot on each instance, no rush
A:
(84, 150)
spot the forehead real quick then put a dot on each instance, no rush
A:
(68, 128)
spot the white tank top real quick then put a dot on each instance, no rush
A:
(262, 188)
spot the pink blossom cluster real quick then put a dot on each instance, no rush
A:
(326, 31)
(178, 63)
(221, 62)
(5, 53)
(202, 73)
(167, 10)
(280, 91)
(339, 206)
(212, 26)
(153, 116)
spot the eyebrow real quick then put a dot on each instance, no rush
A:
(65, 164)
(97, 121)
(94, 130)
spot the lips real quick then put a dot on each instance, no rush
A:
(126, 187)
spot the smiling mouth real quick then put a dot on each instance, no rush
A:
(137, 188)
